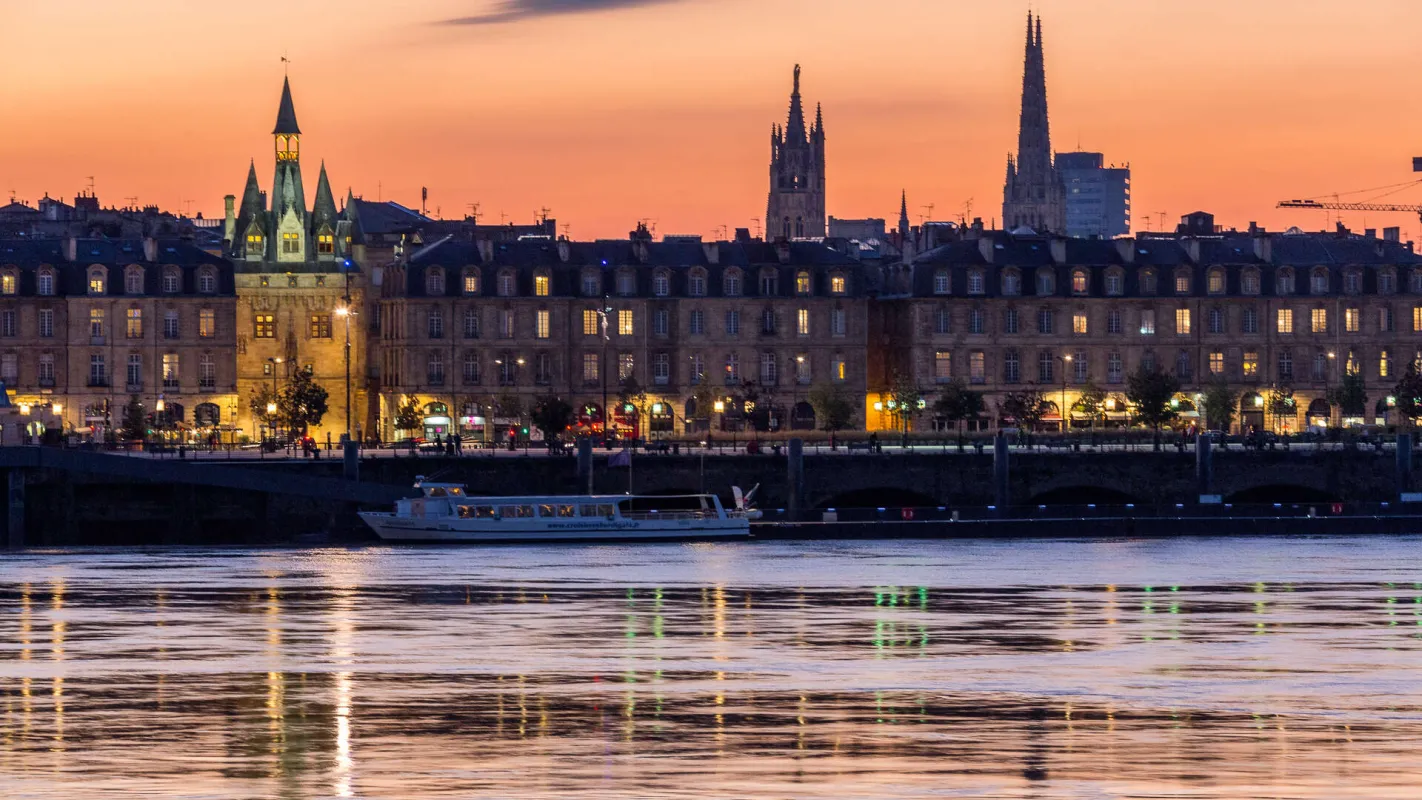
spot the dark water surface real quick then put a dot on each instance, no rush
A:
(1188, 668)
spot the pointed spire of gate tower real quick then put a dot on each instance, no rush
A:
(1033, 196)
(795, 128)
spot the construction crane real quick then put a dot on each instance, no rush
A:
(1318, 206)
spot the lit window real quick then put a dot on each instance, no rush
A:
(591, 322)
(1078, 323)
(1319, 320)
(1148, 322)
(1216, 363)
(96, 323)
(1182, 322)
(1351, 319)
(264, 326)
(325, 244)
(471, 283)
(1216, 282)
(321, 326)
(837, 284)
(1182, 283)
(1078, 281)
(290, 243)
(1251, 364)
(134, 324)
(802, 322)
(207, 323)
(541, 285)
(1286, 320)
(8, 283)
(541, 324)
(802, 283)
(942, 366)
(254, 244)
(96, 282)
(624, 322)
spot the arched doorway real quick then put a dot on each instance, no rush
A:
(436, 420)
(803, 417)
(1251, 412)
(1320, 414)
(207, 415)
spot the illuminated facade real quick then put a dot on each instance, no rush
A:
(476, 327)
(89, 324)
(796, 208)
(1271, 315)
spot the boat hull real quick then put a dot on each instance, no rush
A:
(391, 528)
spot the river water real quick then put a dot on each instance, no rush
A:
(1184, 668)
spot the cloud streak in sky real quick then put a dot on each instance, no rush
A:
(516, 10)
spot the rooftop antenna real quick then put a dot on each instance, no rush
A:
(187, 208)
(132, 203)
(543, 213)
(1162, 220)
(926, 216)
(567, 230)
(967, 211)
(91, 185)
(379, 192)
(473, 212)
(502, 217)
(758, 232)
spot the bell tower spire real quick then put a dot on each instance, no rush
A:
(1033, 196)
(796, 208)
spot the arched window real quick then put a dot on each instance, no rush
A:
(1148, 282)
(44, 282)
(172, 281)
(696, 282)
(133, 280)
(1249, 281)
(592, 283)
(1284, 281)
(626, 282)
(1318, 280)
(942, 282)
(1011, 282)
(1080, 281)
(9, 282)
(840, 285)
(508, 283)
(661, 283)
(977, 282)
(731, 283)
(1352, 282)
(542, 283)
(98, 280)
(471, 280)
(434, 282)
(769, 282)
(1046, 282)
(207, 281)
(1115, 282)
(1182, 280)
(1387, 280)
(802, 283)
(1215, 281)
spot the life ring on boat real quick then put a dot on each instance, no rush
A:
(1337, 508)
(907, 513)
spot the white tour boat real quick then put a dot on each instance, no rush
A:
(444, 512)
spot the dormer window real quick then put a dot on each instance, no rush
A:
(661, 283)
(207, 281)
(471, 281)
(977, 282)
(172, 281)
(1284, 281)
(133, 280)
(942, 282)
(838, 284)
(1318, 281)
(44, 283)
(508, 283)
(1011, 283)
(1352, 282)
(9, 283)
(1046, 282)
(626, 282)
(592, 283)
(254, 244)
(1115, 282)
(802, 282)
(1182, 281)
(325, 244)
(542, 284)
(696, 283)
(1147, 282)
(1249, 281)
(291, 243)
(434, 282)
(731, 283)
(1215, 281)
(1079, 281)
(1387, 281)
(98, 281)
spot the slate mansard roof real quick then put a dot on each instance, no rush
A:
(73, 258)
(1163, 258)
(566, 262)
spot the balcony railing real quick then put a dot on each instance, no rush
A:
(132, 387)
(207, 384)
(97, 381)
(46, 383)
(171, 384)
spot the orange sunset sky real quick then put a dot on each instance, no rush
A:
(607, 111)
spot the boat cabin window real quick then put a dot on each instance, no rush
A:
(515, 511)
(476, 512)
(545, 510)
(437, 491)
(567, 511)
(598, 510)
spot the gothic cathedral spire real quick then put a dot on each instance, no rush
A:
(796, 208)
(1033, 196)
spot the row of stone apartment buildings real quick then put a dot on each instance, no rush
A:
(473, 329)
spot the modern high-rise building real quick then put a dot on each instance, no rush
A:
(796, 209)
(1033, 196)
(1098, 197)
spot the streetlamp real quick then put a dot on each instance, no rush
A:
(1066, 362)
(1328, 386)
(798, 364)
(344, 312)
(271, 407)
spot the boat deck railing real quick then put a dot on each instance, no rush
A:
(669, 515)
